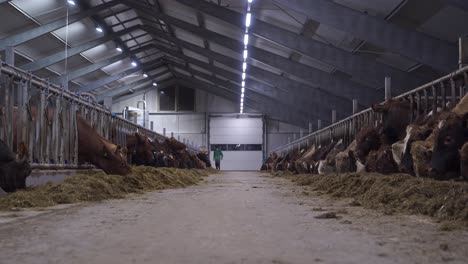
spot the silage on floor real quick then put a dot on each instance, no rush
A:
(92, 186)
(444, 200)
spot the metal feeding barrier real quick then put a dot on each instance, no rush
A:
(433, 96)
(44, 117)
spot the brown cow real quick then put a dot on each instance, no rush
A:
(13, 170)
(304, 163)
(97, 150)
(449, 137)
(269, 162)
(327, 163)
(396, 116)
(347, 162)
(421, 153)
(367, 139)
(464, 161)
(381, 161)
(175, 145)
(141, 149)
(401, 150)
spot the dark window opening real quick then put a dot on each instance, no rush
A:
(235, 147)
(167, 99)
(222, 147)
(253, 147)
(186, 99)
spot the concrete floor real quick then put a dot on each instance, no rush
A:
(236, 217)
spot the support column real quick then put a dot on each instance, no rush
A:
(10, 56)
(64, 84)
(463, 51)
(310, 127)
(319, 124)
(108, 102)
(388, 88)
(333, 116)
(355, 106)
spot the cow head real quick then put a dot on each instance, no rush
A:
(23, 168)
(396, 116)
(449, 137)
(144, 152)
(110, 160)
(366, 140)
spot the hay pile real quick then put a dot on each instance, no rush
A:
(402, 193)
(91, 186)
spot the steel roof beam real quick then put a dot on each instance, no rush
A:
(335, 84)
(101, 82)
(162, 85)
(221, 58)
(93, 67)
(292, 99)
(271, 110)
(367, 70)
(59, 56)
(33, 33)
(281, 83)
(263, 104)
(415, 45)
(315, 112)
(115, 91)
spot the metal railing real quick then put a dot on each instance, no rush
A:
(43, 116)
(433, 96)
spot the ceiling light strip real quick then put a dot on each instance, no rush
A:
(245, 54)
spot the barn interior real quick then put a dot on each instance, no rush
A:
(262, 81)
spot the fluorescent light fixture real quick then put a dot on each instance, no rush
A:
(242, 100)
(250, 1)
(119, 49)
(244, 66)
(134, 64)
(245, 54)
(246, 39)
(71, 2)
(99, 29)
(243, 76)
(248, 19)
(145, 75)
(242, 95)
(243, 83)
(243, 89)
(155, 84)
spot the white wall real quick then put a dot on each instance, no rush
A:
(192, 126)
(279, 132)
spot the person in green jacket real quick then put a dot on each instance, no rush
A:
(218, 156)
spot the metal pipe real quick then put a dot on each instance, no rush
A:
(359, 117)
